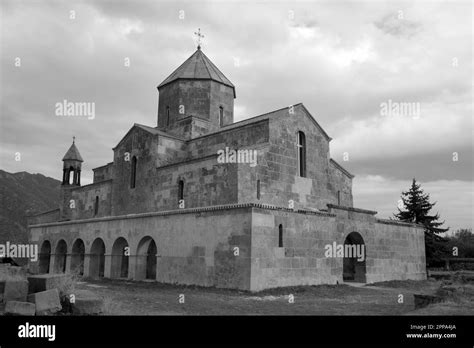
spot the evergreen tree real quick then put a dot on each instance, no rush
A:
(416, 209)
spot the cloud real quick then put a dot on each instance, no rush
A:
(341, 59)
(397, 25)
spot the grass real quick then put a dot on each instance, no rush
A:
(145, 298)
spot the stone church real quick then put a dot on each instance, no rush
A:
(167, 209)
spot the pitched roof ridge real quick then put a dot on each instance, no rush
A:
(157, 131)
(175, 70)
(203, 57)
(344, 170)
(219, 73)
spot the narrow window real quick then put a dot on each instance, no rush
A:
(167, 115)
(181, 190)
(301, 146)
(280, 236)
(96, 206)
(133, 173)
(258, 189)
(221, 116)
(338, 197)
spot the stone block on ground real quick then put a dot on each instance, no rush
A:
(42, 282)
(7, 271)
(87, 303)
(15, 290)
(47, 302)
(20, 308)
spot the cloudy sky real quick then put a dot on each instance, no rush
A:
(344, 60)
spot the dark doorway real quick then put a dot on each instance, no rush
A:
(146, 259)
(45, 257)
(353, 269)
(120, 257)
(77, 257)
(97, 259)
(60, 257)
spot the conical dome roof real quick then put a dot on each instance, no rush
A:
(198, 67)
(73, 154)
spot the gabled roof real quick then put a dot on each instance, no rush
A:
(275, 113)
(73, 154)
(150, 130)
(155, 131)
(341, 168)
(198, 67)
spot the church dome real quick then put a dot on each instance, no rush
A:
(198, 67)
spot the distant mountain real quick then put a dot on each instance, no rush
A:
(23, 194)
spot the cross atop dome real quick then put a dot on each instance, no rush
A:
(199, 36)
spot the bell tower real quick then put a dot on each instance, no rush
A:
(72, 162)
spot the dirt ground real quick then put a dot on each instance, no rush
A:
(150, 298)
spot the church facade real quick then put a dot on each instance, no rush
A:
(201, 199)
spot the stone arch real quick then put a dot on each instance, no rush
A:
(97, 259)
(60, 256)
(146, 259)
(354, 268)
(44, 257)
(77, 257)
(120, 259)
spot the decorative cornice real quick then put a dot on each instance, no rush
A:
(355, 210)
(398, 223)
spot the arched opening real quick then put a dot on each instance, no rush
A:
(167, 115)
(44, 257)
(77, 257)
(301, 145)
(60, 257)
(78, 177)
(258, 189)
(71, 178)
(133, 172)
(354, 259)
(146, 259)
(97, 259)
(120, 257)
(280, 236)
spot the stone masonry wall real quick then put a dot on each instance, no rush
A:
(103, 173)
(79, 203)
(277, 166)
(394, 251)
(193, 246)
